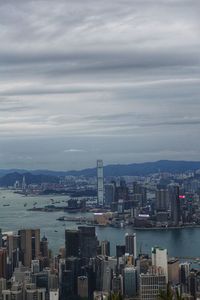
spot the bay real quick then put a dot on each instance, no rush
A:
(179, 242)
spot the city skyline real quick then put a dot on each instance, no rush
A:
(82, 81)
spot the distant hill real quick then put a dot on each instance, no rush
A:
(135, 169)
(11, 178)
(139, 169)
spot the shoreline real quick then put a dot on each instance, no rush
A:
(167, 228)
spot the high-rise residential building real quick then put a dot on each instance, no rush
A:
(72, 242)
(160, 260)
(100, 183)
(122, 192)
(162, 200)
(130, 243)
(105, 248)
(109, 194)
(3, 262)
(29, 245)
(151, 285)
(130, 281)
(140, 192)
(82, 290)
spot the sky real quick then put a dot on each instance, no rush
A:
(87, 80)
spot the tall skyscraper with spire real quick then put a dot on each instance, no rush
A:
(100, 185)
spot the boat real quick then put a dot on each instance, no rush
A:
(55, 231)
(6, 204)
(25, 204)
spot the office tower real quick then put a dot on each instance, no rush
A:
(74, 265)
(130, 281)
(192, 284)
(130, 244)
(53, 281)
(100, 188)
(44, 247)
(66, 289)
(41, 280)
(107, 274)
(61, 269)
(162, 200)
(54, 295)
(88, 242)
(72, 242)
(173, 271)
(175, 204)
(29, 245)
(12, 245)
(35, 266)
(109, 194)
(3, 262)
(151, 285)
(117, 284)
(105, 248)
(184, 272)
(89, 272)
(159, 260)
(82, 286)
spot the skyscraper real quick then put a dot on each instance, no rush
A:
(159, 260)
(175, 204)
(162, 197)
(88, 242)
(105, 248)
(151, 285)
(130, 281)
(29, 245)
(72, 242)
(100, 186)
(109, 194)
(3, 262)
(130, 243)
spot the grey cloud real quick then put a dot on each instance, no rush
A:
(117, 79)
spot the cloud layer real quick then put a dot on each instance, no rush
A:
(81, 80)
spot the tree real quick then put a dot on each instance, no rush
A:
(166, 295)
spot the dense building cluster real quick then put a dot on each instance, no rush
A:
(84, 269)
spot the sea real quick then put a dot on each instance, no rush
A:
(184, 243)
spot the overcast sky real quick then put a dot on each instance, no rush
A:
(88, 79)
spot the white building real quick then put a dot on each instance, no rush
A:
(160, 260)
(100, 186)
(54, 295)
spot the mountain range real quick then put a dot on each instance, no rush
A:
(134, 169)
